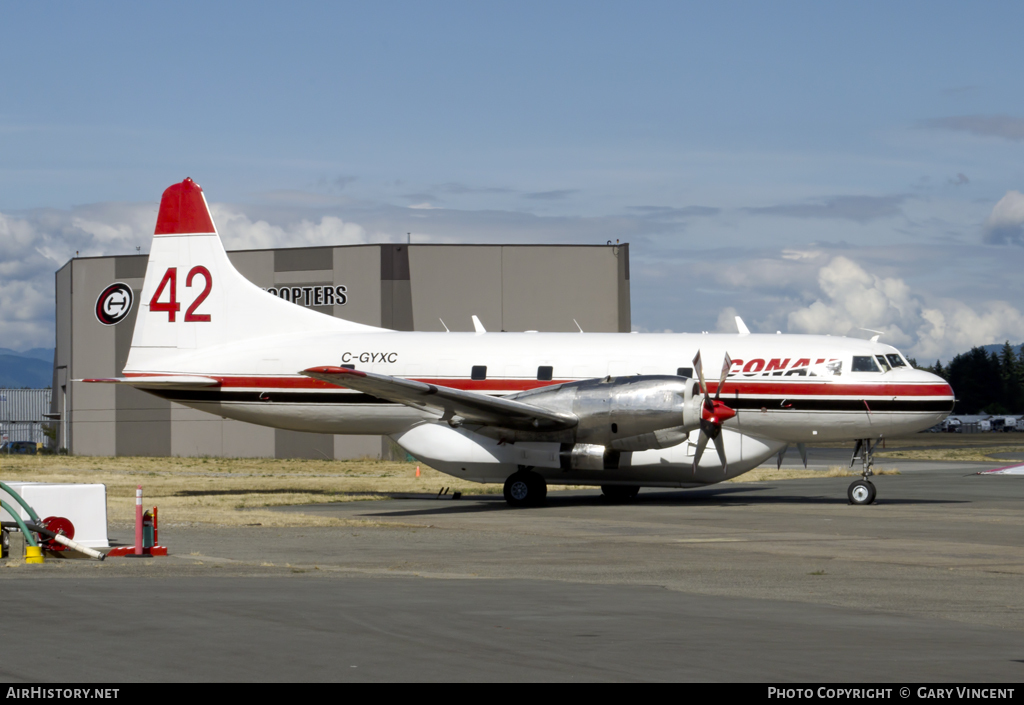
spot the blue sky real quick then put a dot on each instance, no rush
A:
(814, 167)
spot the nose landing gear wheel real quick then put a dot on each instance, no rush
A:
(861, 492)
(525, 489)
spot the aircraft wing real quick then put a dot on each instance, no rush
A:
(472, 407)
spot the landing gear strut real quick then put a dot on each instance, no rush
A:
(863, 491)
(525, 488)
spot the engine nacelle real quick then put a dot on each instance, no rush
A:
(584, 456)
(636, 413)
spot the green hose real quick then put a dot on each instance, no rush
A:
(19, 500)
(29, 536)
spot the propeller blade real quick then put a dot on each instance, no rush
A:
(702, 443)
(720, 447)
(714, 412)
(726, 366)
(700, 374)
(782, 454)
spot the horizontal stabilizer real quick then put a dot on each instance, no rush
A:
(159, 381)
(469, 407)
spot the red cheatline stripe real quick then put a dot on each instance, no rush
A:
(774, 387)
(751, 387)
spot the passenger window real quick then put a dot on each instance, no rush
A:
(882, 363)
(685, 372)
(544, 372)
(864, 363)
(895, 360)
(479, 372)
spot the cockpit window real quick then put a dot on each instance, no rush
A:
(883, 363)
(895, 360)
(864, 363)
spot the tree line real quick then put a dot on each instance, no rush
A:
(985, 382)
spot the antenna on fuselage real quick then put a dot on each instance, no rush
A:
(445, 327)
(578, 325)
(478, 326)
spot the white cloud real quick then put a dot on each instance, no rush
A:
(1005, 225)
(31, 249)
(240, 232)
(726, 322)
(792, 272)
(851, 298)
(33, 245)
(801, 255)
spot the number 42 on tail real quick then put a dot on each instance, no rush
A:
(172, 306)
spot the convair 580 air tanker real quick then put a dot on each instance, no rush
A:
(502, 407)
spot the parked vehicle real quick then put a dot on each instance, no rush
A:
(19, 448)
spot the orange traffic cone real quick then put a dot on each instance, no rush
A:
(417, 471)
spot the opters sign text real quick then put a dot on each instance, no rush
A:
(324, 295)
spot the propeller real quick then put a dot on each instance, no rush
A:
(713, 413)
(803, 455)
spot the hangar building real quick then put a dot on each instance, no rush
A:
(404, 287)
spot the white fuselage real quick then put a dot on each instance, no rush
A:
(784, 388)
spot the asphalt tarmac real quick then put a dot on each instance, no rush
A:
(774, 581)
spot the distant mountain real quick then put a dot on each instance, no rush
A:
(998, 348)
(17, 371)
(34, 353)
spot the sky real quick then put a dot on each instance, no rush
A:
(812, 167)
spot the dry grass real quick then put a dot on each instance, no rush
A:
(238, 491)
(234, 491)
(970, 453)
(764, 474)
(949, 446)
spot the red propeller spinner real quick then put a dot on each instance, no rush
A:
(713, 414)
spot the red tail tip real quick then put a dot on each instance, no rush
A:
(183, 211)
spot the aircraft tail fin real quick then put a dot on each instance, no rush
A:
(193, 297)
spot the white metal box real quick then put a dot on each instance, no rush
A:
(84, 505)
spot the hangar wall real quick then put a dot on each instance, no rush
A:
(404, 287)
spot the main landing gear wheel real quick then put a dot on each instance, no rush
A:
(620, 493)
(861, 492)
(525, 489)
